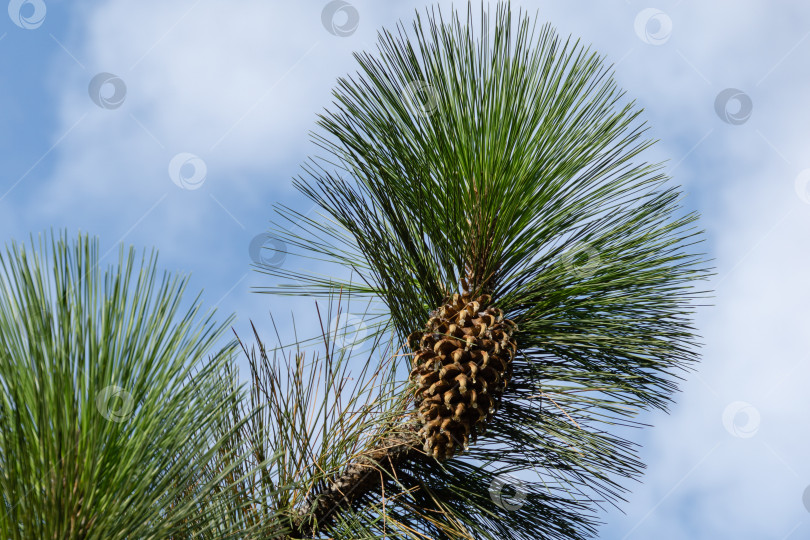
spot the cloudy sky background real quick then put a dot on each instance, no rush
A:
(239, 83)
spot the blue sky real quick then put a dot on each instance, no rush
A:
(238, 84)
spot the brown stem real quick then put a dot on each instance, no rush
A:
(360, 477)
(480, 243)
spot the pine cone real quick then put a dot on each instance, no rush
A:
(461, 367)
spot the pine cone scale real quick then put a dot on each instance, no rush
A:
(461, 367)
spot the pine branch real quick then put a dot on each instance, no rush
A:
(362, 476)
(487, 181)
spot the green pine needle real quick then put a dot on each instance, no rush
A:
(109, 402)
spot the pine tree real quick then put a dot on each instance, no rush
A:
(484, 179)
